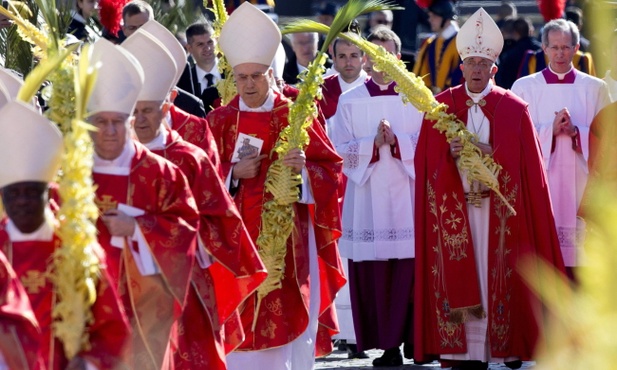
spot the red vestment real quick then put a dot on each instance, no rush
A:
(20, 335)
(108, 333)
(196, 131)
(216, 292)
(446, 273)
(283, 315)
(331, 91)
(169, 225)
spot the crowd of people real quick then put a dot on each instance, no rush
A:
(393, 242)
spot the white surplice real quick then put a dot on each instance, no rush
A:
(378, 215)
(566, 169)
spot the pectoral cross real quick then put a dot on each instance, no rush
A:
(33, 281)
(105, 203)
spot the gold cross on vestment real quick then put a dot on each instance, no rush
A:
(105, 203)
(33, 281)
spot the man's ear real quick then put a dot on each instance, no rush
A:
(165, 108)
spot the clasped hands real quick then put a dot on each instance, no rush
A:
(248, 167)
(562, 124)
(384, 135)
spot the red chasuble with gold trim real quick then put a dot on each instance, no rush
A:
(169, 225)
(237, 270)
(108, 333)
(446, 272)
(20, 335)
(283, 315)
(196, 131)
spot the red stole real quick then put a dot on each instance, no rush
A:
(20, 335)
(444, 248)
(331, 91)
(275, 325)
(169, 224)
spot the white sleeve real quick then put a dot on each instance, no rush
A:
(307, 192)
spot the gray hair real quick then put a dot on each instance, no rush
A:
(563, 26)
(314, 36)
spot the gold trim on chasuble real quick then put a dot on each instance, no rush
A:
(456, 241)
(500, 284)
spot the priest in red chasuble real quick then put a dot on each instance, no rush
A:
(148, 223)
(28, 237)
(227, 268)
(296, 321)
(472, 306)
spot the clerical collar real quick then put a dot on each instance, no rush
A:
(267, 106)
(477, 98)
(450, 31)
(552, 77)
(159, 142)
(375, 89)
(301, 68)
(45, 232)
(119, 166)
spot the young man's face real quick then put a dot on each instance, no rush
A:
(348, 61)
(202, 49)
(24, 203)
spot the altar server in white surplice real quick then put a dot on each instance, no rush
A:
(562, 102)
(376, 135)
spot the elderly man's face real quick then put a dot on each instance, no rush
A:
(477, 71)
(111, 133)
(560, 50)
(304, 46)
(133, 22)
(148, 117)
(253, 82)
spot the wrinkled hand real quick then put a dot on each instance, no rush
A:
(562, 124)
(119, 223)
(296, 159)
(248, 167)
(486, 149)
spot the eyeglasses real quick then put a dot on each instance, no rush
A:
(382, 21)
(255, 77)
(563, 48)
(481, 65)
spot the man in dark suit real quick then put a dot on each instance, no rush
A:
(201, 77)
(304, 47)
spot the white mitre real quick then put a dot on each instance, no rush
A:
(119, 80)
(11, 82)
(278, 64)
(171, 43)
(249, 36)
(158, 65)
(30, 144)
(479, 37)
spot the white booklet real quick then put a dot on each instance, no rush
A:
(246, 145)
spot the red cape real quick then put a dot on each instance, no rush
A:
(445, 267)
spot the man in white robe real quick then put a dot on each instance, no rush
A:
(562, 102)
(375, 133)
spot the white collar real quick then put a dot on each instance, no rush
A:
(44, 233)
(348, 86)
(477, 96)
(201, 74)
(449, 31)
(159, 142)
(560, 76)
(301, 68)
(78, 17)
(119, 166)
(267, 106)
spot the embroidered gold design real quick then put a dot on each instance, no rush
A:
(470, 103)
(501, 273)
(269, 329)
(105, 203)
(33, 281)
